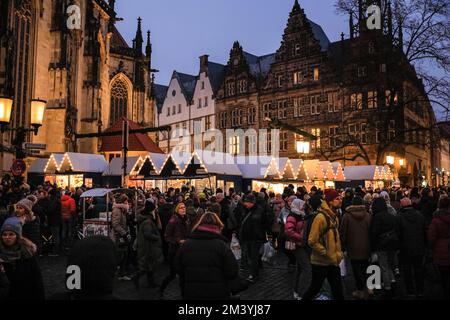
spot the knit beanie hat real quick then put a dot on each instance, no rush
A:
(379, 205)
(298, 206)
(12, 224)
(32, 198)
(330, 195)
(27, 205)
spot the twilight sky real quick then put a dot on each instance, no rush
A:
(183, 30)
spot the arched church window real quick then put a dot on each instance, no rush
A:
(119, 101)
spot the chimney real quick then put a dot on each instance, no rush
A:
(203, 63)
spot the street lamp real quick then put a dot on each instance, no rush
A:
(37, 117)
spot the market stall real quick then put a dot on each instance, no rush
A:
(369, 176)
(75, 169)
(114, 173)
(99, 225)
(220, 168)
(36, 172)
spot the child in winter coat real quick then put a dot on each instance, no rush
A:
(295, 224)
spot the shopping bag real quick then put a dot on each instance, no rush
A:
(343, 268)
(235, 247)
(268, 252)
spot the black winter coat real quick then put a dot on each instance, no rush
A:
(54, 216)
(253, 228)
(412, 232)
(165, 213)
(32, 231)
(427, 207)
(382, 222)
(40, 212)
(25, 280)
(206, 266)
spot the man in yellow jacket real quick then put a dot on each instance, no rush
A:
(326, 247)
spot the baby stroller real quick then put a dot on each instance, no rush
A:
(48, 241)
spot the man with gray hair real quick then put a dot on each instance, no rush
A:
(412, 236)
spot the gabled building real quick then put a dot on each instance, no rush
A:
(360, 97)
(189, 107)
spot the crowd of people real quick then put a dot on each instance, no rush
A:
(404, 231)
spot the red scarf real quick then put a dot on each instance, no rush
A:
(209, 228)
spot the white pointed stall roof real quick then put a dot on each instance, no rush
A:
(327, 170)
(115, 166)
(217, 162)
(158, 160)
(181, 159)
(83, 162)
(38, 166)
(253, 167)
(388, 174)
(289, 171)
(338, 171)
(280, 164)
(54, 162)
(369, 172)
(313, 169)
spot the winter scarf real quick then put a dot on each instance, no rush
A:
(122, 206)
(23, 248)
(209, 228)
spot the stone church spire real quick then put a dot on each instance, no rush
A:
(139, 40)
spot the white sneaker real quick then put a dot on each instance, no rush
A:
(296, 296)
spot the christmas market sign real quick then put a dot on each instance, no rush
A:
(18, 167)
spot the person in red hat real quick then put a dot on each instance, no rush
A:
(326, 247)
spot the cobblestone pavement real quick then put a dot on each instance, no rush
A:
(275, 283)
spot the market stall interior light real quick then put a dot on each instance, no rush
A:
(390, 160)
(5, 111)
(401, 162)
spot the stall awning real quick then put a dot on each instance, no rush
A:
(95, 193)
(54, 162)
(327, 170)
(115, 167)
(338, 171)
(217, 162)
(76, 162)
(369, 173)
(313, 169)
(253, 167)
(38, 166)
(181, 159)
(157, 160)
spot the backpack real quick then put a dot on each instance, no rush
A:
(309, 219)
